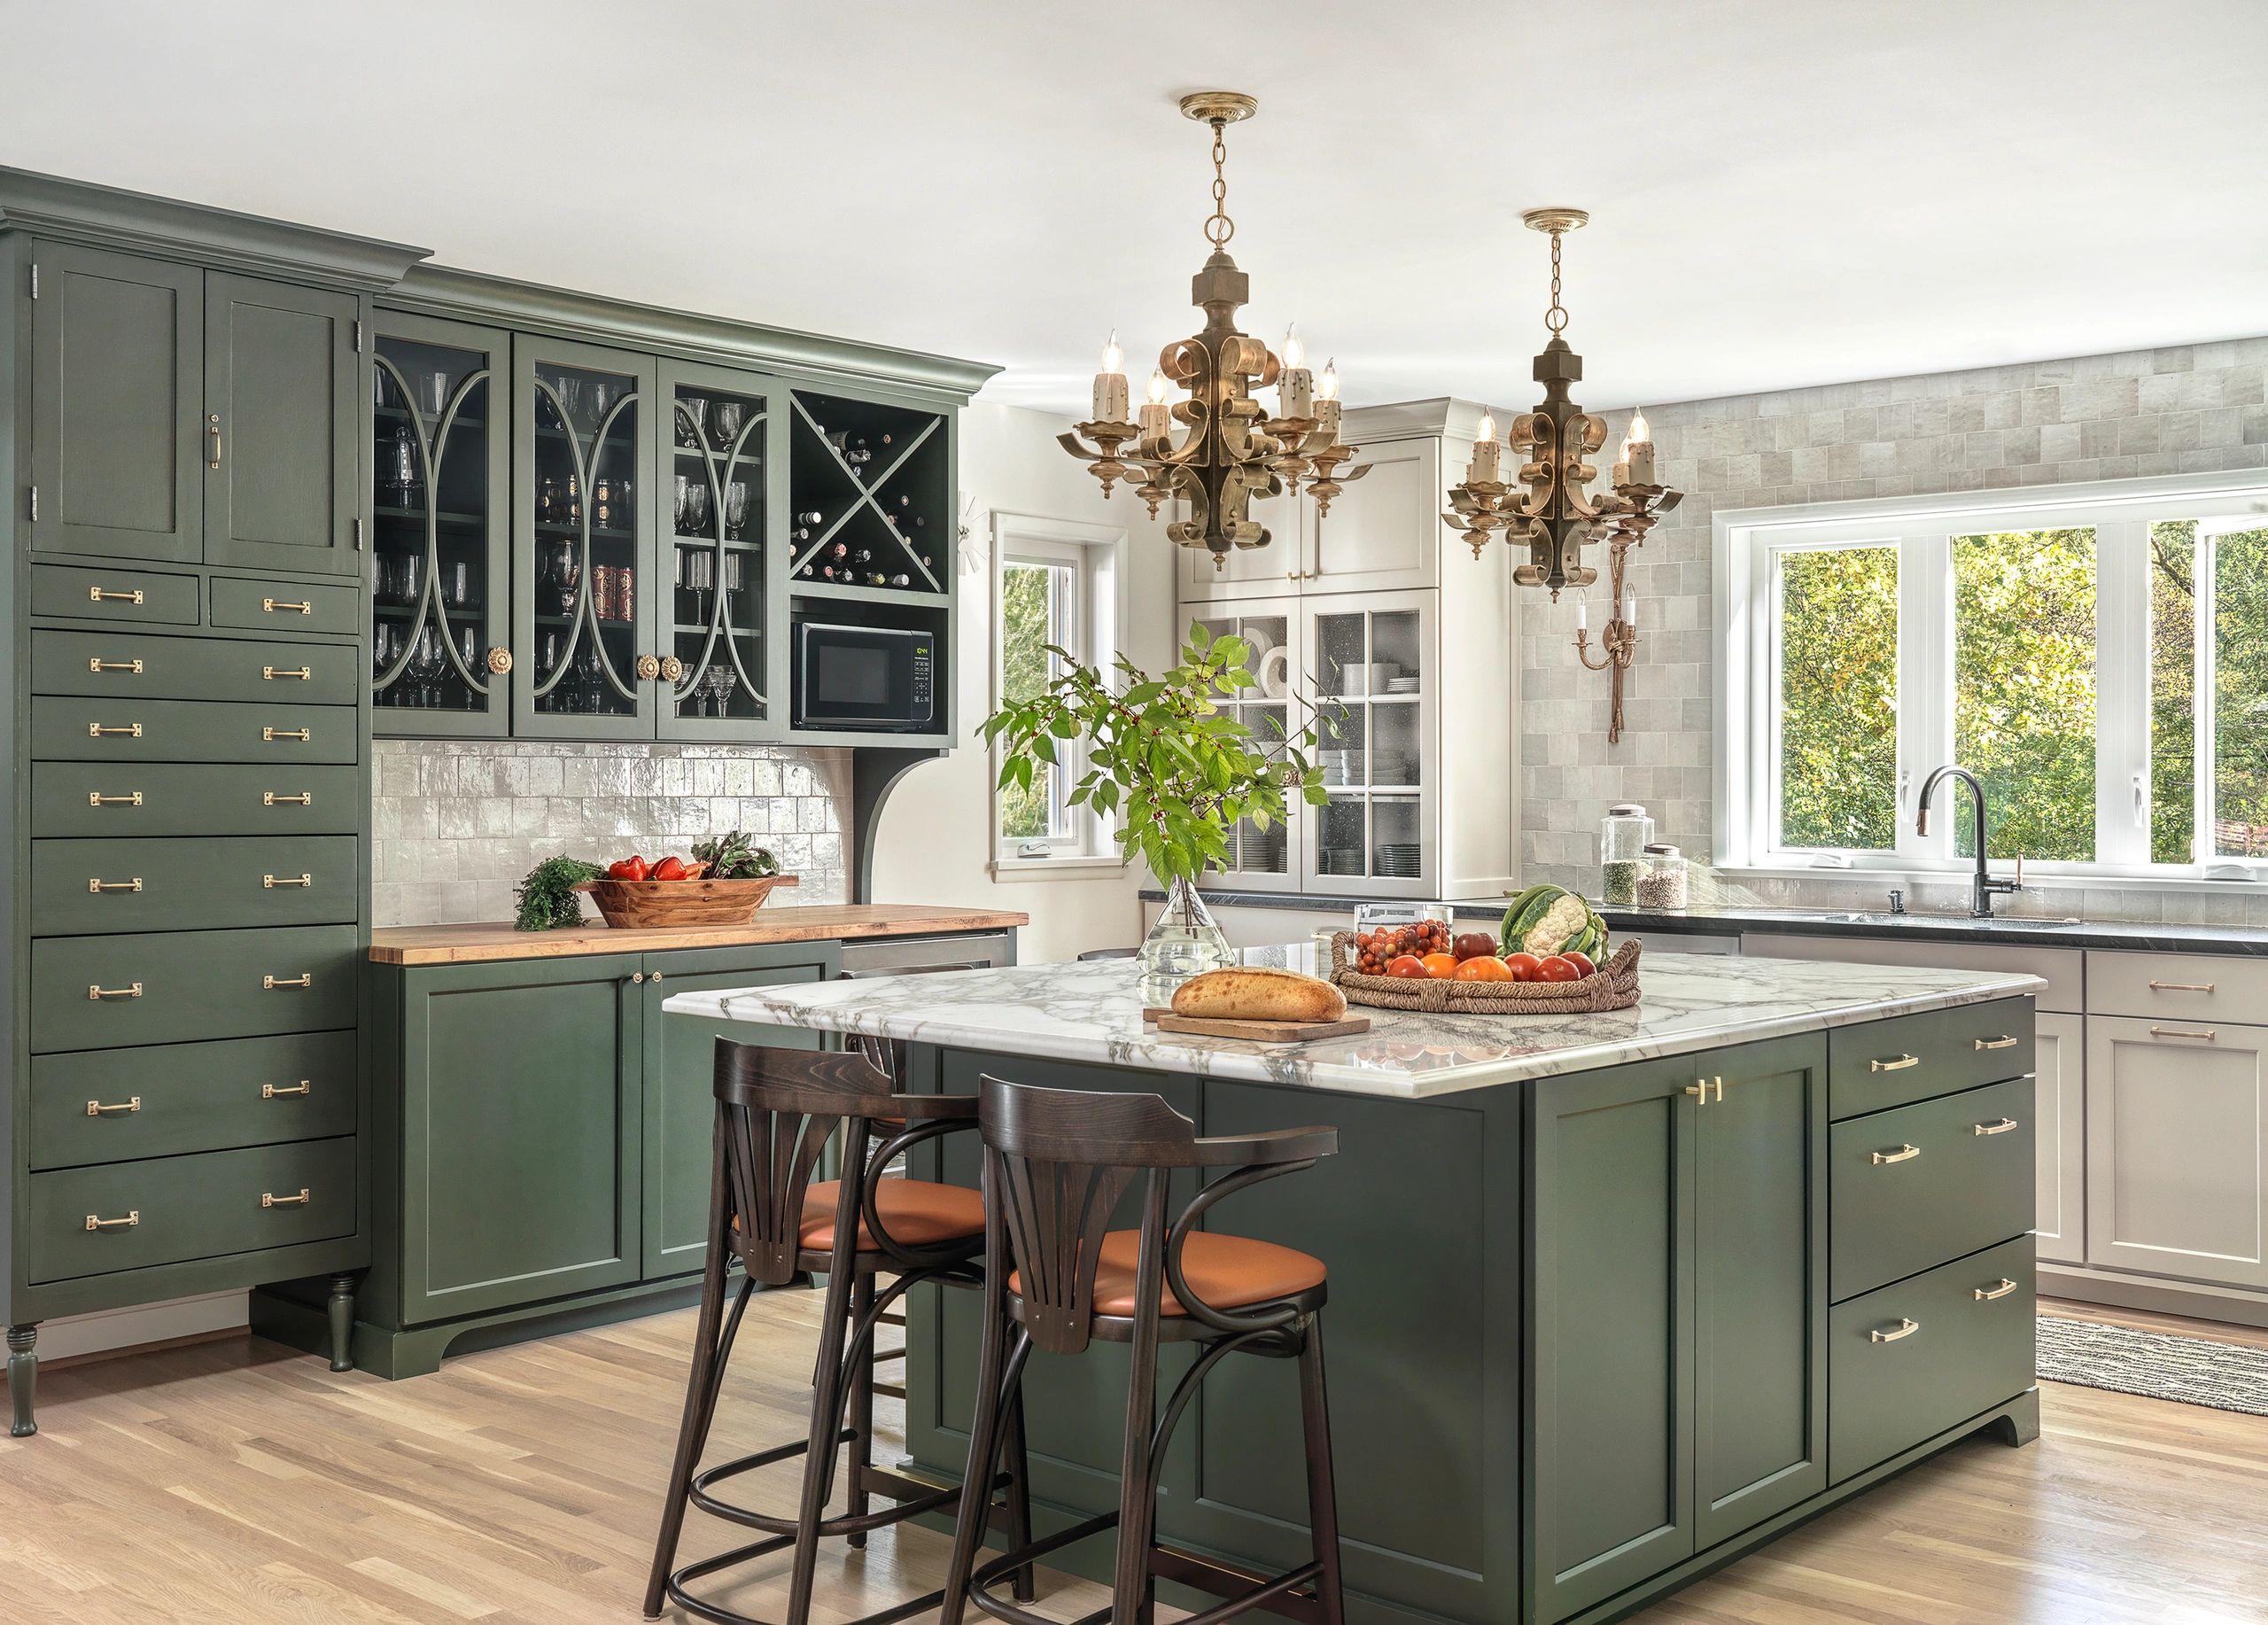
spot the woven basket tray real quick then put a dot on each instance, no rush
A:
(1612, 986)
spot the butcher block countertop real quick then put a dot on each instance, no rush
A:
(462, 944)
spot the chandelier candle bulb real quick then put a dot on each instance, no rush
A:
(1295, 384)
(1487, 454)
(1637, 465)
(1630, 611)
(1110, 386)
(1582, 616)
(1156, 415)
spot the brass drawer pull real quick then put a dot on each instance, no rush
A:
(280, 606)
(132, 990)
(269, 882)
(2181, 1032)
(2001, 1127)
(132, 1218)
(269, 798)
(270, 735)
(2006, 1040)
(302, 673)
(269, 1199)
(1986, 1294)
(98, 886)
(1904, 1328)
(213, 428)
(133, 667)
(270, 983)
(2181, 987)
(96, 1108)
(96, 595)
(272, 1091)
(1895, 1064)
(129, 730)
(1904, 1154)
(133, 800)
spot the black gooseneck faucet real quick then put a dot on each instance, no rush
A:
(1982, 889)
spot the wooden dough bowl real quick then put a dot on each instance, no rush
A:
(682, 902)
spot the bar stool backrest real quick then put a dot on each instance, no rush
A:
(776, 1109)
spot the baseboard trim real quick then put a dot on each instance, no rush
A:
(2191, 1299)
(116, 1331)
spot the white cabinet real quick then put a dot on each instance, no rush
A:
(1276, 569)
(1263, 859)
(1384, 532)
(2177, 1163)
(2059, 1138)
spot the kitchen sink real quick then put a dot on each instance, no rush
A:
(1912, 917)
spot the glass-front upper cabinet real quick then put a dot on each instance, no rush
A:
(1262, 859)
(439, 507)
(1370, 659)
(588, 663)
(721, 677)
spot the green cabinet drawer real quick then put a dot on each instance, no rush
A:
(1911, 1360)
(113, 595)
(103, 993)
(143, 665)
(171, 798)
(267, 606)
(1877, 1065)
(87, 727)
(1910, 1188)
(113, 1106)
(87, 887)
(128, 1216)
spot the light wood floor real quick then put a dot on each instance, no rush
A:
(237, 1483)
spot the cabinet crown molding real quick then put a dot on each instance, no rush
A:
(1446, 416)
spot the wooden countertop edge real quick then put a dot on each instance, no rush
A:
(464, 945)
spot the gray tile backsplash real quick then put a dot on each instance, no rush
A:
(458, 823)
(2190, 408)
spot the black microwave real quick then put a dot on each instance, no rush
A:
(876, 678)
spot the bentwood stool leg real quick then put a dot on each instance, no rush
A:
(862, 1406)
(1026, 1586)
(1323, 1495)
(699, 1404)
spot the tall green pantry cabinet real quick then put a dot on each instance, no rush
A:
(187, 740)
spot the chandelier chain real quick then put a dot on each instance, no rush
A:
(1220, 228)
(1555, 318)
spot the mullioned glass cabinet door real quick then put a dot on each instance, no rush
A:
(440, 653)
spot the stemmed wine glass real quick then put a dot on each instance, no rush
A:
(425, 667)
(692, 412)
(735, 509)
(725, 420)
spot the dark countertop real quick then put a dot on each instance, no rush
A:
(2012, 931)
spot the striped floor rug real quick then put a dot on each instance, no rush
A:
(2192, 1371)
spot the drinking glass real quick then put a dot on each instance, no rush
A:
(692, 412)
(684, 510)
(568, 389)
(434, 387)
(456, 584)
(697, 506)
(725, 420)
(603, 394)
(385, 649)
(468, 641)
(425, 667)
(410, 578)
(735, 508)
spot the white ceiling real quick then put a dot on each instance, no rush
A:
(1783, 192)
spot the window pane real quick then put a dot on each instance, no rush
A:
(1838, 698)
(1036, 611)
(2173, 692)
(2024, 690)
(2240, 693)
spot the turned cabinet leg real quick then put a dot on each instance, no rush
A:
(342, 1322)
(23, 1369)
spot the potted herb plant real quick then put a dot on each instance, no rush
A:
(1175, 770)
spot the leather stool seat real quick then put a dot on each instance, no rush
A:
(1224, 1271)
(915, 1212)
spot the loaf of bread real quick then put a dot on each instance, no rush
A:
(1259, 993)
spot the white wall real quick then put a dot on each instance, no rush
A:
(934, 842)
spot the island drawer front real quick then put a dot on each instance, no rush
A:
(286, 606)
(90, 727)
(148, 667)
(113, 595)
(86, 887)
(105, 993)
(117, 1105)
(178, 798)
(1910, 1189)
(172, 1208)
(1876, 1065)
(2179, 987)
(1911, 1360)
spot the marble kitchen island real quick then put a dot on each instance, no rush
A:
(1614, 1298)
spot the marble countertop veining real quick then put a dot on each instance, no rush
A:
(1091, 1010)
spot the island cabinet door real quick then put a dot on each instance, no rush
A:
(680, 1073)
(520, 1125)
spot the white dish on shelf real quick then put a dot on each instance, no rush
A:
(1275, 671)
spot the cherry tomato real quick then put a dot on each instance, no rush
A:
(1408, 966)
(672, 868)
(1523, 966)
(1442, 965)
(1558, 969)
(1581, 963)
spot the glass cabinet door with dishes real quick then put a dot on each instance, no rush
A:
(1369, 657)
(584, 618)
(721, 677)
(439, 503)
(1263, 859)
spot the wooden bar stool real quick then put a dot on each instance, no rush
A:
(1056, 1162)
(776, 1111)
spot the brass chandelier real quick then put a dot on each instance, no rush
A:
(1234, 450)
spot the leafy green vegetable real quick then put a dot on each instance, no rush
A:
(730, 857)
(547, 897)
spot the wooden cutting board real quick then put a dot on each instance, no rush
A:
(1257, 1032)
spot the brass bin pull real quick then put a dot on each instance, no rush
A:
(128, 730)
(1986, 1294)
(2181, 987)
(132, 990)
(96, 595)
(269, 798)
(273, 1092)
(302, 673)
(270, 735)
(2182, 1032)
(1897, 1063)
(133, 800)
(269, 983)
(132, 1218)
(281, 606)
(1904, 1328)
(96, 1108)
(1904, 1154)
(2005, 1041)
(98, 885)
(131, 666)
(213, 428)
(2001, 1127)
(270, 882)
(269, 1199)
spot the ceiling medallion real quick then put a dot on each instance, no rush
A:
(1233, 451)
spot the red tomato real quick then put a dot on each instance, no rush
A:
(672, 868)
(1581, 963)
(1557, 969)
(633, 868)
(1523, 966)
(1408, 966)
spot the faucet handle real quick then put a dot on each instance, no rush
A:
(1897, 900)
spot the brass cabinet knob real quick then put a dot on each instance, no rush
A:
(649, 668)
(672, 668)
(500, 661)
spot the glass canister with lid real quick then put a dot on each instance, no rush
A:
(1664, 884)
(1622, 841)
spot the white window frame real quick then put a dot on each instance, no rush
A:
(1748, 543)
(1098, 555)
